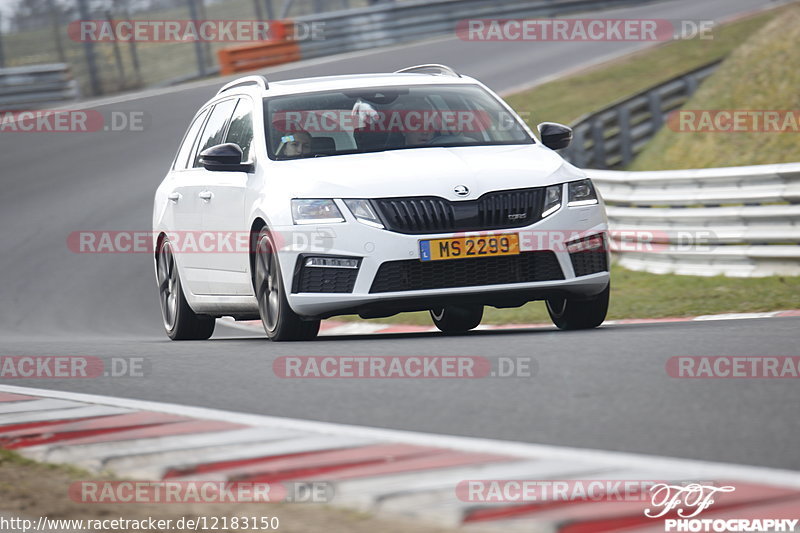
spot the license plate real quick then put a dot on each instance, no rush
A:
(466, 247)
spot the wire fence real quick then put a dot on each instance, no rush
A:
(35, 32)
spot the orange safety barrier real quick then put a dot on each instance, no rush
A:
(280, 49)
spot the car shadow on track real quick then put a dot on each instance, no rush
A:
(233, 335)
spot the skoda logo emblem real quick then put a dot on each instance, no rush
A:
(461, 190)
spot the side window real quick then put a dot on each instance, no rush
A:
(241, 130)
(215, 128)
(182, 159)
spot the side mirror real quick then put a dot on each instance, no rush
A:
(555, 136)
(224, 158)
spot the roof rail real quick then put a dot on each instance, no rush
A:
(433, 68)
(247, 80)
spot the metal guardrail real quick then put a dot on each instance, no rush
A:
(614, 135)
(397, 22)
(737, 221)
(36, 85)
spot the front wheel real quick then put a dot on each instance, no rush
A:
(457, 319)
(579, 313)
(280, 322)
(180, 322)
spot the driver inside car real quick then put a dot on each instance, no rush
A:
(294, 144)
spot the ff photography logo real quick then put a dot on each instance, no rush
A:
(688, 501)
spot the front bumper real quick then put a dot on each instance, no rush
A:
(374, 247)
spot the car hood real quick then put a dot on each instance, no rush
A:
(433, 171)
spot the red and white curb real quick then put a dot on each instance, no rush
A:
(339, 328)
(382, 471)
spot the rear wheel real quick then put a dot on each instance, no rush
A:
(457, 319)
(280, 322)
(579, 313)
(180, 322)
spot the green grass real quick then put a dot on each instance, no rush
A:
(644, 295)
(762, 74)
(567, 99)
(10, 457)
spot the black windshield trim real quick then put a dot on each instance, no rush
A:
(398, 148)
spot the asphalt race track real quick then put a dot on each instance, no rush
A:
(606, 388)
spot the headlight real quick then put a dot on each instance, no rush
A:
(582, 193)
(315, 212)
(364, 213)
(552, 200)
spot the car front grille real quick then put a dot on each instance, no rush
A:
(585, 263)
(414, 275)
(430, 214)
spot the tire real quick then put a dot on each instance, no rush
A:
(457, 319)
(280, 322)
(579, 313)
(180, 322)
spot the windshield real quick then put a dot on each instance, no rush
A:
(387, 118)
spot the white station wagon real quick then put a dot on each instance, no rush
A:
(373, 195)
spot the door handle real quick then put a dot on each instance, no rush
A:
(206, 195)
(174, 196)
